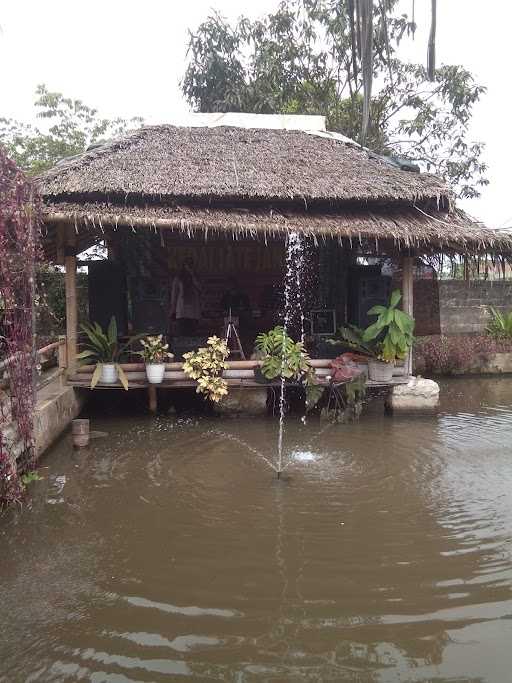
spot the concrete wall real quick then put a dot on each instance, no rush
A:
(464, 306)
(426, 304)
(57, 405)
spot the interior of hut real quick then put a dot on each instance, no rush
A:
(190, 288)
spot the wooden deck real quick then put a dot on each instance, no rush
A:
(238, 374)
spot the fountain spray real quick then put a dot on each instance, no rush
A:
(292, 305)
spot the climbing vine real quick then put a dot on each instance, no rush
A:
(19, 228)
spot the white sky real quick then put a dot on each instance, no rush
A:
(126, 58)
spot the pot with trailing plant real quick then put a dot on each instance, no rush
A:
(155, 353)
(383, 342)
(285, 359)
(103, 349)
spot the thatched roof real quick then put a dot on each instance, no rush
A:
(250, 181)
(231, 164)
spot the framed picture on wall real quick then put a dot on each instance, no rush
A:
(323, 322)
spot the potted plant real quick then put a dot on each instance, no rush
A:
(155, 353)
(206, 366)
(103, 348)
(393, 333)
(284, 358)
(383, 342)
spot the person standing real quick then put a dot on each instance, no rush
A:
(186, 300)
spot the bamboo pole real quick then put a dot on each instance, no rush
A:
(408, 300)
(178, 367)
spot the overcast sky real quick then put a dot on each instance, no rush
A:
(126, 58)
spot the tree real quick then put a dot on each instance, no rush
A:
(73, 127)
(306, 58)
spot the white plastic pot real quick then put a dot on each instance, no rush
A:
(155, 372)
(378, 371)
(108, 373)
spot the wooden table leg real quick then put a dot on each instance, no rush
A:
(153, 402)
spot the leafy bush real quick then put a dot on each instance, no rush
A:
(206, 365)
(281, 356)
(500, 326)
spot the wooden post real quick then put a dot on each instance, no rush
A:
(71, 300)
(62, 353)
(408, 299)
(153, 402)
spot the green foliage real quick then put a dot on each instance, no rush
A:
(282, 357)
(71, 127)
(206, 365)
(154, 350)
(301, 59)
(500, 325)
(393, 328)
(29, 477)
(51, 302)
(103, 347)
(352, 336)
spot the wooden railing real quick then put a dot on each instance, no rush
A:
(53, 354)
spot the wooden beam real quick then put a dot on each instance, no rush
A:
(71, 300)
(408, 299)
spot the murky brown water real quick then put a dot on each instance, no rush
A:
(166, 551)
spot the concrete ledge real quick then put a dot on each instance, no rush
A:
(244, 401)
(417, 396)
(488, 364)
(56, 407)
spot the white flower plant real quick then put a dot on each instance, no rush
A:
(154, 350)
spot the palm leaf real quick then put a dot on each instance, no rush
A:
(395, 298)
(377, 310)
(373, 331)
(88, 353)
(122, 376)
(96, 376)
(112, 331)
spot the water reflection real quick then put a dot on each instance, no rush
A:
(385, 555)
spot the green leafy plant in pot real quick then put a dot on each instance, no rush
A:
(385, 341)
(392, 333)
(155, 353)
(284, 358)
(103, 349)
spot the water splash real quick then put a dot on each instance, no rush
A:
(241, 442)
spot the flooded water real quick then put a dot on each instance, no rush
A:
(167, 550)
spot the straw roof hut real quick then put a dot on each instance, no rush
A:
(251, 181)
(263, 177)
